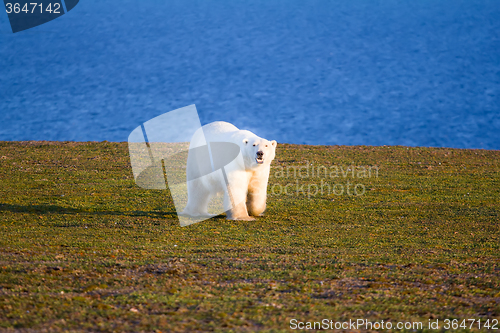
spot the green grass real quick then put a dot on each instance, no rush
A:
(84, 248)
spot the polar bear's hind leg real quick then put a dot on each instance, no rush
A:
(198, 199)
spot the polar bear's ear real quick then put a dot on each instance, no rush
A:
(274, 143)
(245, 141)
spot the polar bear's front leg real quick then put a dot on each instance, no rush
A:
(235, 198)
(257, 193)
(239, 212)
(256, 204)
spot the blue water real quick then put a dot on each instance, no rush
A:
(417, 73)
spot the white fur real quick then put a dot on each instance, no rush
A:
(247, 183)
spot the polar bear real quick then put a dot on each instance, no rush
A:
(244, 185)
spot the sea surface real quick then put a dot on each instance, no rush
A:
(321, 72)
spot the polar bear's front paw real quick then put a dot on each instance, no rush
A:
(243, 218)
(248, 218)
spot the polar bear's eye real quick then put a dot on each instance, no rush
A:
(254, 144)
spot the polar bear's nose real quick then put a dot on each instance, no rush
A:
(260, 153)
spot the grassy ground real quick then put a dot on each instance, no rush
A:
(83, 248)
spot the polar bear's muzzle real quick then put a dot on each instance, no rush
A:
(260, 157)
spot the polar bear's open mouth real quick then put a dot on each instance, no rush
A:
(259, 160)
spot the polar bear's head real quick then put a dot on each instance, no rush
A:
(258, 151)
